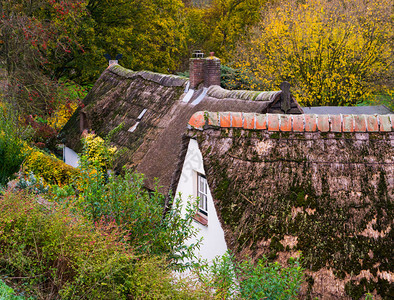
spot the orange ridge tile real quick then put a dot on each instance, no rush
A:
(197, 120)
(273, 122)
(336, 123)
(249, 121)
(348, 123)
(372, 124)
(298, 123)
(285, 122)
(260, 121)
(384, 123)
(236, 119)
(225, 119)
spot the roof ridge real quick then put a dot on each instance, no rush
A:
(293, 123)
(168, 80)
(218, 92)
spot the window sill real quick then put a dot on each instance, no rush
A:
(203, 220)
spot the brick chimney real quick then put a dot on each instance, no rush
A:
(211, 70)
(204, 70)
(196, 69)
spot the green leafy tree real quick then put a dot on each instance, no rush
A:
(12, 148)
(149, 34)
(221, 25)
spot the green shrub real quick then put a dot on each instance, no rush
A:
(228, 278)
(30, 183)
(56, 253)
(7, 293)
(270, 280)
(124, 200)
(11, 146)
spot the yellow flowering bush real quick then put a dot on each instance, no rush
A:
(47, 166)
(97, 150)
(332, 52)
(62, 115)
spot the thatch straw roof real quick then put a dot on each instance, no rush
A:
(322, 185)
(120, 96)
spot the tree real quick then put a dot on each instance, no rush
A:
(149, 34)
(37, 41)
(332, 52)
(219, 26)
(12, 152)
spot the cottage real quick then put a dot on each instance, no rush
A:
(270, 179)
(154, 109)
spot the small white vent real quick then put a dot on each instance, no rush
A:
(141, 115)
(134, 127)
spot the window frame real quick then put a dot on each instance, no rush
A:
(202, 195)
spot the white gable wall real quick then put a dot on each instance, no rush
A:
(213, 243)
(70, 157)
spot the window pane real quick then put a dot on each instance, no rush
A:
(202, 191)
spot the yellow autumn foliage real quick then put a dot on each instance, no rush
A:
(47, 166)
(62, 115)
(96, 150)
(332, 52)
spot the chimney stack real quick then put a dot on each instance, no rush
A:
(204, 70)
(211, 70)
(196, 69)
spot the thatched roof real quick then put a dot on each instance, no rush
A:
(319, 184)
(120, 96)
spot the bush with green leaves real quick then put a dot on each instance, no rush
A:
(12, 151)
(235, 79)
(228, 278)
(32, 184)
(53, 252)
(7, 293)
(124, 200)
(269, 279)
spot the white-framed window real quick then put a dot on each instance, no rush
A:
(202, 194)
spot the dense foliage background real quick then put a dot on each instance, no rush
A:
(332, 52)
(82, 241)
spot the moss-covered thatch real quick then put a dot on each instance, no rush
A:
(327, 195)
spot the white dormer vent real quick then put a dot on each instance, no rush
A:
(134, 127)
(141, 115)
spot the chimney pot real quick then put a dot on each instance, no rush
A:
(198, 54)
(204, 70)
(113, 62)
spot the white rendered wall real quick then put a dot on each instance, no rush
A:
(70, 157)
(213, 243)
